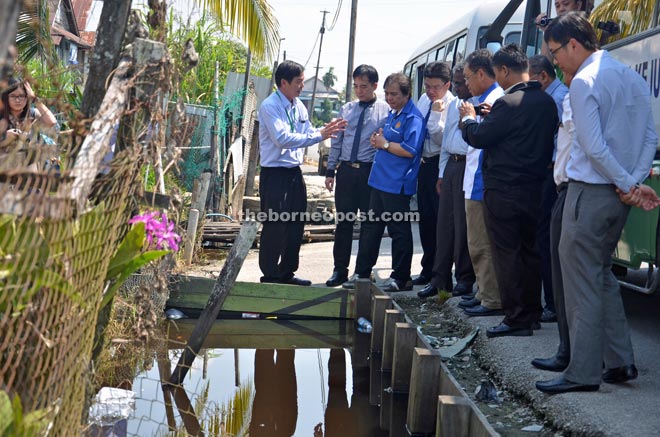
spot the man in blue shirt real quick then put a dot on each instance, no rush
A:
(393, 180)
(541, 70)
(350, 160)
(613, 152)
(284, 131)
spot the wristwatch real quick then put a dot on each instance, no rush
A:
(386, 145)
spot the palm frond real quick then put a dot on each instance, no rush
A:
(33, 33)
(633, 16)
(253, 21)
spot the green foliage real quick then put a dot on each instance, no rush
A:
(56, 80)
(128, 259)
(14, 423)
(326, 111)
(329, 77)
(33, 33)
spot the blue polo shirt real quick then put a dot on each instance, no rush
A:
(395, 174)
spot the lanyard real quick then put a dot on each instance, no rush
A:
(289, 117)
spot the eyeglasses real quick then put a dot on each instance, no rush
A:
(458, 82)
(434, 87)
(553, 52)
(18, 98)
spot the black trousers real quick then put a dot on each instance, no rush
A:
(548, 198)
(352, 193)
(564, 349)
(427, 203)
(282, 190)
(511, 221)
(384, 207)
(452, 245)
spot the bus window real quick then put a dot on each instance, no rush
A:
(420, 81)
(413, 75)
(440, 54)
(459, 54)
(512, 37)
(450, 51)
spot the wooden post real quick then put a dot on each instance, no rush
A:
(453, 417)
(362, 298)
(223, 284)
(191, 235)
(405, 337)
(252, 163)
(422, 404)
(380, 304)
(392, 316)
(200, 192)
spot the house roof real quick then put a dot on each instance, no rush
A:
(322, 91)
(64, 23)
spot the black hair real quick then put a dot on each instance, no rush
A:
(572, 25)
(368, 71)
(438, 70)
(12, 85)
(539, 63)
(402, 80)
(481, 59)
(287, 70)
(512, 57)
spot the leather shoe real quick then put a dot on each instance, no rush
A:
(563, 385)
(469, 303)
(462, 288)
(421, 280)
(548, 316)
(550, 364)
(620, 374)
(336, 279)
(428, 291)
(536, 326)
(503, 330)
(294, 280)
(480, 310)
(392, 285)
(468, 296)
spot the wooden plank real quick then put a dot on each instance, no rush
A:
(422, 404)
(405, 336)
(258, 334)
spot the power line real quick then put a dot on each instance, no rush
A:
(313, 49)
(334, 19)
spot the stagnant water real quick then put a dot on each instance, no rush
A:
(286, 392)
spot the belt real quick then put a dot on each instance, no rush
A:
(455, 157)
(561, 187)
(551, 165)
(431, 159)
(356, 164)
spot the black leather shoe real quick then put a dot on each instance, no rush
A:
(392, 285)
(469, 303)
(293, 280)
(481, 311)
(503, 330)
(461, 289)
(620, 374)
(269, 280)
(421, 280)
(550, 364)
(337, 278)
(428, 291)
(548, 316)
(536, 326)
(563, 385)
(468, 296)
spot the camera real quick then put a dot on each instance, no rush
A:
(543, 22)
(609, 26)
(478, 110)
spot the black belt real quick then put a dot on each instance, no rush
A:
(356, 164)
(456, 157)
(561, 187)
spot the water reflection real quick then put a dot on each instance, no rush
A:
(291, 392)
(275, 406)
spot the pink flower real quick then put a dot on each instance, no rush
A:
(157, 227)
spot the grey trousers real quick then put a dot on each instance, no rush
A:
(591, 226)
(564, 348)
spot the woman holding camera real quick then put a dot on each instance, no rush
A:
(17, 116)
(561, 7)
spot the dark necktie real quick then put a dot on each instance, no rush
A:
(426, 123)
(358, 130)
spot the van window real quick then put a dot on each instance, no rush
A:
(420, 81)
(440, 54)
(450, 51)
(512, 37)
(459, 54)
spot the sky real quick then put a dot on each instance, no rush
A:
(388, 31)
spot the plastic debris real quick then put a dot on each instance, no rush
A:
(486, 392)
(174, 314)
(111, 405)
(364, 325)
(533, 428)
(459, 346)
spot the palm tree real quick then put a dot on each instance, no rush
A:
(252, 21)
(329, 78)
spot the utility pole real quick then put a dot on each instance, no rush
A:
(318, 61)
(351, 51)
